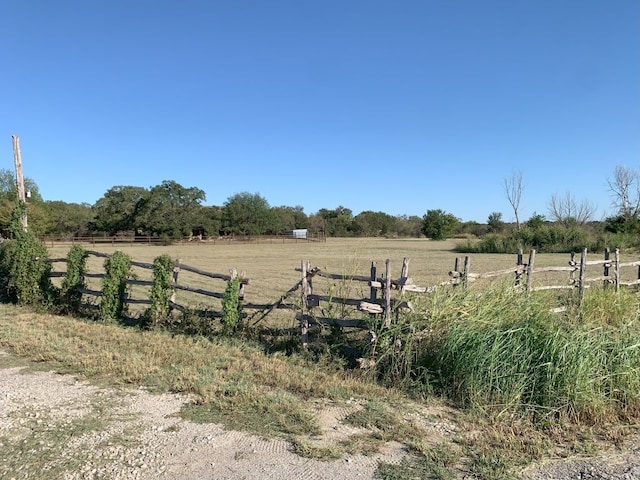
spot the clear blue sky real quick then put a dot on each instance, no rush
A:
(395, 106)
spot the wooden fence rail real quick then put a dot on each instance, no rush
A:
(175, 285)
(386, 294)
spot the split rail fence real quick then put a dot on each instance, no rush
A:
(143, 299)
(386, 295)
(380, 298)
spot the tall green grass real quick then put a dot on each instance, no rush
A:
(507, 353)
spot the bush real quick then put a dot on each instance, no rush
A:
(162, 289)
(117, 270)
(231, 307)
(26, 272)
(74, 278)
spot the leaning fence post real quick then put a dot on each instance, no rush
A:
(583, 268)
(465, 273)
(532, 258)
(387, 294)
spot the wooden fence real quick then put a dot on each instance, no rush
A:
(386, 295)
(379, 296)
(175, 284)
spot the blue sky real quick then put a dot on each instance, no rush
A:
(399, 106)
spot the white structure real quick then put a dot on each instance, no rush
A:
(300, 233)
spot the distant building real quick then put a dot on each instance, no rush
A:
(300, 233)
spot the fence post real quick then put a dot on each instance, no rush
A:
(304, 323)
(373, 292)
(519, 267)
(616, 271)
(386, 294)
(532, 258)
(583, 268)
(174, 280)
(607, 254)
(465, 272)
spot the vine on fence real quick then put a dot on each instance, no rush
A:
(23, 263)
(161, 290)
(117, 269)
(74, 277)
(231, 307)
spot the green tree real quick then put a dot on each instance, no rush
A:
(169, 209)
(74, 219)
(8, 197)
(337, 222)
(289, 218)
(495, 223)
(438, 225)
(116, 210)
(248, 214)
(374, 224)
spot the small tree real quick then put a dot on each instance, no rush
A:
(438, 225)
(513, 191)
(495, 223)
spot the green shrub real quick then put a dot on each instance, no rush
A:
(74, 278)
(25, 270)
(231, 307)
(161, 290)
(114, 287)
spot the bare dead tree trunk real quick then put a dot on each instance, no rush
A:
(22, 194)
(513, 191)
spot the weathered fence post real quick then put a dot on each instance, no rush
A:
(304, 322)
(374, 291)
(532, 258)
(583, 268)
(606, 267)
(174, 281)
(519, 268)
(616, 271)
(386, 294)
(465, 272)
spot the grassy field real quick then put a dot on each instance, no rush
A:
(531, 385)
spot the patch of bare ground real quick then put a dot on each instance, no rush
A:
(59, 426)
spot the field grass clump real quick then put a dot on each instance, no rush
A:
(507, 353)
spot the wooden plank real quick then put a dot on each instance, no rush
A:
(86, 291)
(310, 319)
(145, 283)
(554, 269)
(369, 307)
(198, 290)
(553, 287)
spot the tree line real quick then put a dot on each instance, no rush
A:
(172, 211)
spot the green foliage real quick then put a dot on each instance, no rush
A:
(544, 236)
(170, 210)
(74, 277)
(24, 265)
(495, 223)
(161, 290)
(231, 307)
(248, 214)
(117, 270)
(438, 225)
(69, 219)
(116, 210)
